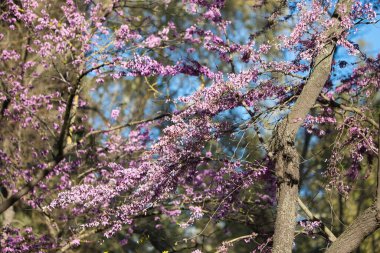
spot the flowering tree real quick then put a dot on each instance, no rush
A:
(84, 170)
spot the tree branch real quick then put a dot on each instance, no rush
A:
(27, 188)
(350, 109)
(65, 150)
(363, 226)
(60, 147)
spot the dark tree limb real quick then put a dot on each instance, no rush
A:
(26, 189)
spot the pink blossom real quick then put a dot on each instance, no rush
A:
(152, 41)
(115, 113)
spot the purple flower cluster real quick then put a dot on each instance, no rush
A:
(13, 240)
(310, 227)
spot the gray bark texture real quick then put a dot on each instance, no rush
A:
(285, 156)
(364, 225)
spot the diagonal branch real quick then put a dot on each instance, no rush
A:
(350, 109)
(364, 225)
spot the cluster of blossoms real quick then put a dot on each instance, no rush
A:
(360, 144)
(363, 80)
(313, 124)
(315, 24)
(14, 240)
(310, 227)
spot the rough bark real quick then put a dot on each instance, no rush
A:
(282, 150)
(286, 201)
(286, 158)
(364, 225)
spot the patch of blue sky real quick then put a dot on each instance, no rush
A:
(182, 85)
(368, 38)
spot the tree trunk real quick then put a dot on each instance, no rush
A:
(287, 162)
(285, 156)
